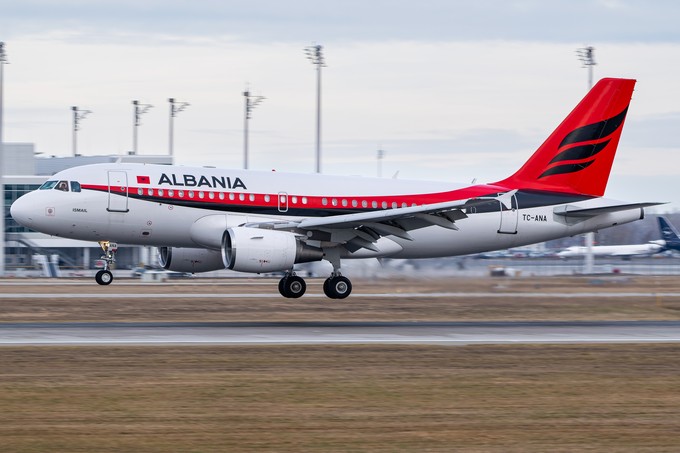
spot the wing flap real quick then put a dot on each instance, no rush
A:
(453, 210)
(364, 229)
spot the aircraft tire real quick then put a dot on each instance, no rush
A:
(282, 286)
(292, 286)
(337, 287)
(103, 277)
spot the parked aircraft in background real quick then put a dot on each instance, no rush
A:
(670, 241)
(204, 219)
(623, 251)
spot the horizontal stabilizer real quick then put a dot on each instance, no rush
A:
(577, 212)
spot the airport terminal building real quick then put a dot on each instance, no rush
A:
(25, 249)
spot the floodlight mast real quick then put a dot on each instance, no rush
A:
(138, 111)
(587, 57)
(78, 116)
(3, 62)
(315, 55)
(250, 103)
(175, 108)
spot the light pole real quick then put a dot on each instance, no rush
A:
(315, 55)
(250, 103)
(78, 115)
(587, 57)
(139, 110)
(3, 62)
(380, 156)
(175, 108)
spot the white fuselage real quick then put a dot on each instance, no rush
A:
(175, 206)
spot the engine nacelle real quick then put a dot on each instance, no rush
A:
(256, 250)
(189, 259)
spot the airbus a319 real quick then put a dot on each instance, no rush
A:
(204, 219)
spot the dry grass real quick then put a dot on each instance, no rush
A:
(513, 306)
(337, 399)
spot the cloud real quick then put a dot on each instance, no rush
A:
(357, 20)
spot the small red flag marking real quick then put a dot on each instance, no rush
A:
(143, 180)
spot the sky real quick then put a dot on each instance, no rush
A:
(450, 90)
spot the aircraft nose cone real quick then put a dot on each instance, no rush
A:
(21, 212)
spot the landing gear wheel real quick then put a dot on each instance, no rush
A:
(104, 277)
(337, 287)
(292, 286)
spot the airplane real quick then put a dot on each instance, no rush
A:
(623, 251)
(670, 241)
(205, 219)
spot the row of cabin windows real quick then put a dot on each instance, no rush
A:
(283, 199)
(74, 186)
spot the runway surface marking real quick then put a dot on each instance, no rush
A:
(455, 333)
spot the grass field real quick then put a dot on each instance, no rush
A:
(344, 398)
(148, 305)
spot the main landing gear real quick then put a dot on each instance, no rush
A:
(104, 276)
(337, 287)
(292, 286)
(334, 287)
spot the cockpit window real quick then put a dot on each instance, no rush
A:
(75, 186)
(47, 185)
(63, 186)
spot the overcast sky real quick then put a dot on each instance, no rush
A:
(450, 90)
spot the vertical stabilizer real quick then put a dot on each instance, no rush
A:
(669, 234)
(577, 157)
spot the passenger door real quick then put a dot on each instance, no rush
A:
(118, 191)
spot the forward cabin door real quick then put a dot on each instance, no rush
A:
(118, 191)
(509, 217)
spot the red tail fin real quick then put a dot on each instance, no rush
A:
(578, 155)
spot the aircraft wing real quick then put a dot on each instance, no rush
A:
(363, 229)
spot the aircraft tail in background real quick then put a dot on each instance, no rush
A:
(669, 234)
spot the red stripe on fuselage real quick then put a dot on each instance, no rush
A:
(326, 202)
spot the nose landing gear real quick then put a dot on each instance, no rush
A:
(104, 276)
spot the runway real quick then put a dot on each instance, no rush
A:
(404, 295)
(328, 333)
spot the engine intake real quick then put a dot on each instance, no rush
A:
(255, 250)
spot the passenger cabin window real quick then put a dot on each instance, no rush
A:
(63, 186)
(75, 186)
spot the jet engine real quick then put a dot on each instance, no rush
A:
(257, 250)
(189, 259)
